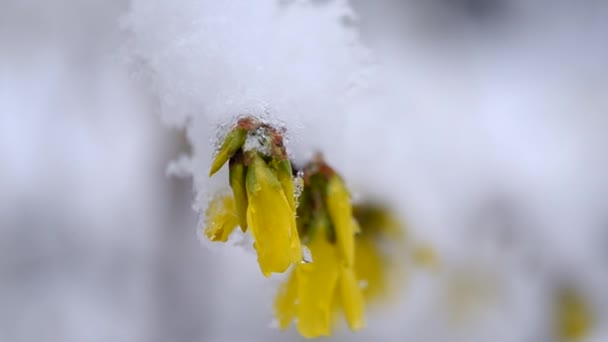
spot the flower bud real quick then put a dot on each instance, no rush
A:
(233, 141)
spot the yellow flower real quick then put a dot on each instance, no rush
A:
(327, 284)
(271, 219)
(379, 249)
(262, 184)
(317, 283)
(221, 218)
(237, 176)
(315, 288)
(352, 298)
(371, 268)
(341, 213)
(573, 317)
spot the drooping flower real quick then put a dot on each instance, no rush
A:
(323, 284)
(263, 195)
(328, 282)
(380, 249)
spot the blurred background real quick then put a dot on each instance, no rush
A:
(506, 103)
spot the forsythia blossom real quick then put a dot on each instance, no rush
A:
(328, 282)
(347, 266)
(262, 184)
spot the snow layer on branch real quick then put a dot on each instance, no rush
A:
(210, 61)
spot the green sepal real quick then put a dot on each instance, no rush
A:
(234, 140)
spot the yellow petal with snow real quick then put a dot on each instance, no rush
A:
(317, 283)
(341, 214)
(352, 299)
(271, 220)
(221, 218)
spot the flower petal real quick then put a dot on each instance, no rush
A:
(221, 218)
(285, 175)
(317, 283)
(352, 299)
(285, 305)
(271, 220)
(341, 213)
(370, 268)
